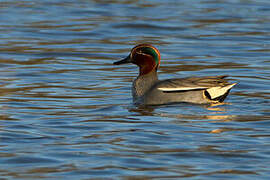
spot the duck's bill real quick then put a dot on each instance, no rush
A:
(123, 61)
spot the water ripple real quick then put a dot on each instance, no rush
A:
(66, 111)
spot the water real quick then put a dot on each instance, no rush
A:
(67, 112)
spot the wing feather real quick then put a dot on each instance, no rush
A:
(215, 85)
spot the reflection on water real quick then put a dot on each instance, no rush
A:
(66, 111)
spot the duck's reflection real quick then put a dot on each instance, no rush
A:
(186, 111)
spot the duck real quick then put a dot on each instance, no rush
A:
(147, 89)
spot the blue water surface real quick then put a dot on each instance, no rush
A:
(66, 111)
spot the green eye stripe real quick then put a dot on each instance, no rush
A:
(152, 52)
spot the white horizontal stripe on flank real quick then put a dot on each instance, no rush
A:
(181, 88)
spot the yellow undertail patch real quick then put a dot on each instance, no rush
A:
(215, 92)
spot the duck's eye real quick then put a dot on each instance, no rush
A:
(140, 52)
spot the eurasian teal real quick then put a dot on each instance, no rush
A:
(148, 90)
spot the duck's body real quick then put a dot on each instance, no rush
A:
(148, 90)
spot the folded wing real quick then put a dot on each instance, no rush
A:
(215, 86)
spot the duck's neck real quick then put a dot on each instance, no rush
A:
(143, 83)
(147, 68)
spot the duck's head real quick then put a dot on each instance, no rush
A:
(146, 56)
